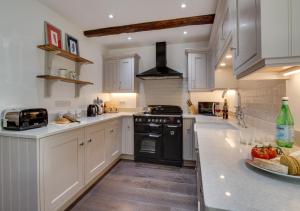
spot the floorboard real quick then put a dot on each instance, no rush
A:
(131, 186)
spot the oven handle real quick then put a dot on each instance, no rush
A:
(173, 126)
(154, 125)
(154, 135)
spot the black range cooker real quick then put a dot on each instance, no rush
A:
(158, 135)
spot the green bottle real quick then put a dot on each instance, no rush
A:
(285, 126)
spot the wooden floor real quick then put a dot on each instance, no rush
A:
(131, 186)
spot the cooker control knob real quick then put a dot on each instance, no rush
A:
(178, 121)
(165, 121)
(149, 120)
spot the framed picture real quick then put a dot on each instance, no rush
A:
(72, 45)
(52, 35)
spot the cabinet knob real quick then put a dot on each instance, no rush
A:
(128, 127)
(90, 140)
(81, 144)
(112, 131)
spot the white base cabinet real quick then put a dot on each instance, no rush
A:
(95, 153)
(127, 136)
(113, 142)
(188, 140)
(67, 163)
(61, 168)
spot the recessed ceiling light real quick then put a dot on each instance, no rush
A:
(228, 56)
(185, 32)
(129, 38)
(223, 64)
(227, 193)
(183, 5)
(111, 16)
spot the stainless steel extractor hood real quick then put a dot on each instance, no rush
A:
(161, 71)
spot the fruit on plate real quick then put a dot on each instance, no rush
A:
(292, 163)
(265, 152)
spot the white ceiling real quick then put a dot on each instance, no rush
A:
(93, 14)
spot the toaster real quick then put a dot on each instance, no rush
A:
(24, 119)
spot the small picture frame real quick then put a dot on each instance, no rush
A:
(52, 35)
(72, 45)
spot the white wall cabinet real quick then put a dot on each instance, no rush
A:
(188, 140)
(119, 74)
(265, 35)
(95, 154)
(128, 136)
(295, 5)
(198, 72)
(62, 161)
(110, 76)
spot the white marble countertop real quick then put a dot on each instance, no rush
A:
(228, 184)
(53, 128)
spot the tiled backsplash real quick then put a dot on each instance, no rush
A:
(261, 101)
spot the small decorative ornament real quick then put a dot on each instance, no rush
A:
(72, 45)
(52, 35)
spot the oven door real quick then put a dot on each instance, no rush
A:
(147, 145)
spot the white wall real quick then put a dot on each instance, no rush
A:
(293, 92)
(21, 30)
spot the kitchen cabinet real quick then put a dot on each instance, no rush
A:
(265, 35)
(113, 142)
(110, 76)
(62, 172)
(95, 154)
(188, 139)
(247, 34)
(222, 29)
(119, 74)
(295, 5)
(198, 71)
(72, 160)
(127, 136)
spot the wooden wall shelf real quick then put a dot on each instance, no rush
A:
(68, 80)
(64, 53)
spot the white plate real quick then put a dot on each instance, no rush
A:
(251, 163)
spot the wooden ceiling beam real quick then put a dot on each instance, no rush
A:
(149, 26)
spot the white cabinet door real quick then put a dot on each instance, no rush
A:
(246, 35)
(110, 73)
(62, 160)
(128, 136)
(126, 75)
(94, 151)
(197, 71)
(113, 142)
(188, 140)
(295, 5)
